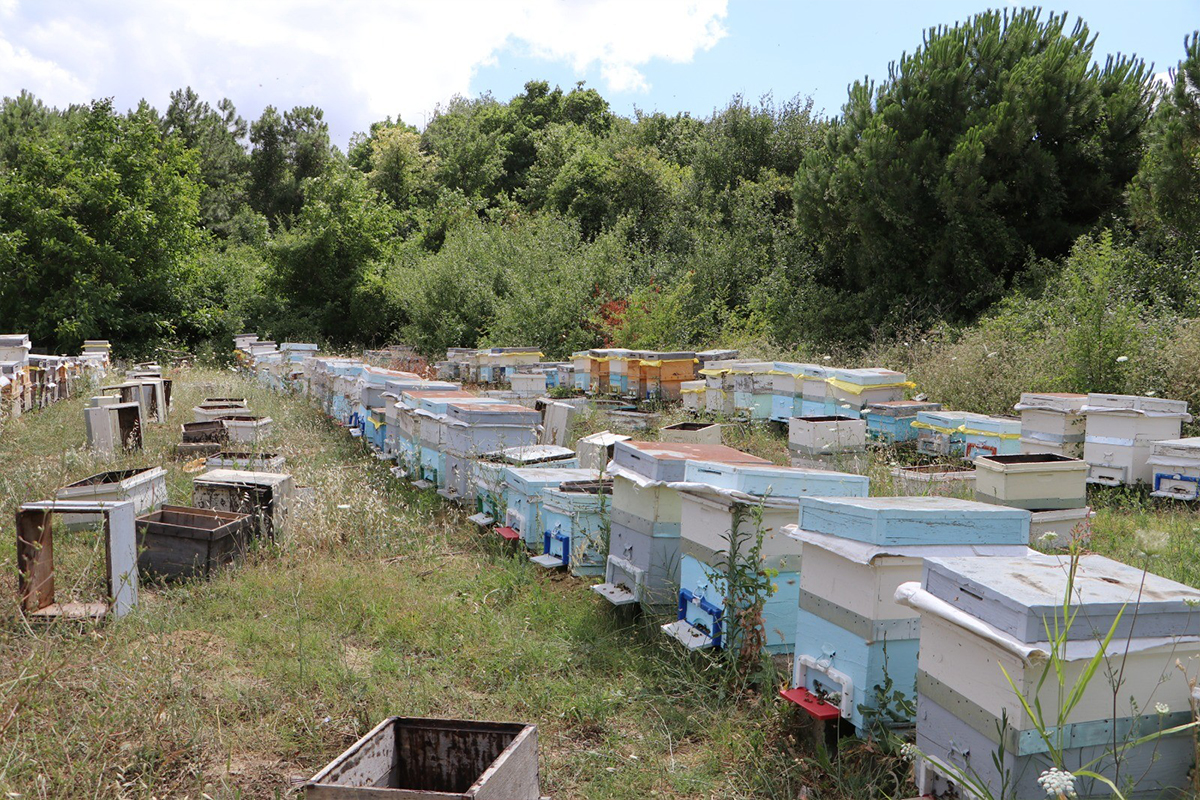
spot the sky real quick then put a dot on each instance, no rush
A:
(363, 60)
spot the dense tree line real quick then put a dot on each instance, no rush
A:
(966, 175)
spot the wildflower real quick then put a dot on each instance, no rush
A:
(1162, 708)
(909, 751)
(1057, 783)
(1048, 537)
(1122, 359)
(1191, 602)
(1151, 393)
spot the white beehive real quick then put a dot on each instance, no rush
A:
(146, 488)
(1175, 464)
(1120, 432)
(1036, 481)
(826, 435)
(1052, 422)
(985, 618)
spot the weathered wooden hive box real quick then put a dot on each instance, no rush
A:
(892, 421)
(1121, 430)
(247, 429)
(596, 450)
(582, 375)
(154, 397)
(1175, 464)
(938, 432)
(850, 629)
(753, 389)
(1052, 422)
(786, 397)
(113, 426)
(528, 384)
(618, 370)
(725, 498)
(243, 459)
(178, 542)
(643, 555)
(661, 375)
(145, 487)
(472, 429)
(523, 498)
(575, 520)
(982, 618)
(825, 435)
(422, 759)
(934, 479)
(692, 394)
(296, 352)
(265, 496)
(207, 412)
(691, 433)
(1035, 481)
(213, 431)
(850, 391)
(718, 386)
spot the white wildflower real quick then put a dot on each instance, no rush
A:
(1122, 359)
(1048, 537)
(1162, 708)
(1191, 602)
(1057, 783)
(1151, 393)
(909, 751)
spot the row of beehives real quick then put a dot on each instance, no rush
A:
(639, 374)
(243, 496)
(649, 525)
(29, 381)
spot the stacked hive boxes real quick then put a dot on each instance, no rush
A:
(850, 391)
(575, 520)
(523, 495)
(1052, 423)
(643, 556)
(471, 429)
(1121, 430)
(852, 638)
(723, 510)
(489, 486)
(986, 631)
(754, 389)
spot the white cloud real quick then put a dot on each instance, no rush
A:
(359, 60)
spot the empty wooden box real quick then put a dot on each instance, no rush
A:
(423, 759)
(1036, 481)
(146, 488)
(691, 433)
(183, 542)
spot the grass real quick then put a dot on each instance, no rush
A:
(243, 685)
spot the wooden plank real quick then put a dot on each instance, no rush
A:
(35, 559)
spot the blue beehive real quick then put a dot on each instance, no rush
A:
(983, 435)
(575, 523)
(892, 422)
(726, 497)
(850, 629)
(523, 497)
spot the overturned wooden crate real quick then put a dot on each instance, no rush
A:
(178, 542)
(423, 759)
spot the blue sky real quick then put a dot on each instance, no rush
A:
(362, 60)
(818, 49)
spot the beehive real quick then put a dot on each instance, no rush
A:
(984, 618)
(856, 552)
(1175, 464)
(692, 394)
(850, 391)
(753, 389)
(596, 450)
(1036, 481)
(575, 519)
(1121, 430)
(265, 496)
(826, 435)
(1052, 422)
(523, 498)
(892, 421)
(719, 516)
(146, 488)
(691, 433)
(643, 557)
(934, 479)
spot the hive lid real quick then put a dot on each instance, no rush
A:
(1136, 404)
(775, 481)
(869, 376)
(665, 461)
(531, 480)
(1061, 402)
(1020, 596)
(1188, 448)
(866, 553)
(902, 408)
(914, 520)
